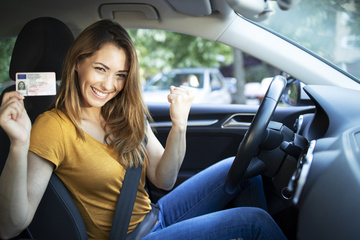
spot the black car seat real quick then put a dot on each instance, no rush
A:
(41, 46)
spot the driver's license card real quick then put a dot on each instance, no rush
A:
(36, 83)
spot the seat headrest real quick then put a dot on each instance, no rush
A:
(41, 46)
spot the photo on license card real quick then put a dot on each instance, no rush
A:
(36, 84)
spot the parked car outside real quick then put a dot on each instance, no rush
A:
(255, 91)
(232, 87)
(208, 83)
(251, 91)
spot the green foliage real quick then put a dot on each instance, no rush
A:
(162, 51)
(324, 23)
(6, 47)
(354, 22)
(259, 71)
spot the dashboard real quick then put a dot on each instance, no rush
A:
(327, 177)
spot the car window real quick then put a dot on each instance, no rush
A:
(195, 80)
(215, 82)
(168, 58)
(6, 48)
(158, 82)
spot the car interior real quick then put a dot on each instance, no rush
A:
(45, 41)
(307, 153)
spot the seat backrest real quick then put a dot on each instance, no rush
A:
(41, 46)
(57, 217)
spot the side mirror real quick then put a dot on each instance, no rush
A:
(294, 94)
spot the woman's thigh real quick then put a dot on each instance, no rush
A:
(236, 223)
(204, 193)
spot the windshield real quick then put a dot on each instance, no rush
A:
(329, 28)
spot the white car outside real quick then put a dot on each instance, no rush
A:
(208, 83)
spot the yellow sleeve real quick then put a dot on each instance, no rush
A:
(47, 139)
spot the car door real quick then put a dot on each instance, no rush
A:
(214, 132)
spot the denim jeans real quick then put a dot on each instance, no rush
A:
(194, 210)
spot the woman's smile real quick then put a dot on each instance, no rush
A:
(99, 93)
(102, 75)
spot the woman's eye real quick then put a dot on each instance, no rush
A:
(100, 69)
(121, 75)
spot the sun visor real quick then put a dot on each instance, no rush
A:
(107, 11)
(196, 8)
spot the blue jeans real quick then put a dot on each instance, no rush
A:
(194, 210)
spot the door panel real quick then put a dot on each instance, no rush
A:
(214, 133)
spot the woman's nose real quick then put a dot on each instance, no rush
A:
(108, 82)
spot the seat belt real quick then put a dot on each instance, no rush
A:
(125, 204)
(126, 200)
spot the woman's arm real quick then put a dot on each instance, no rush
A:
(25, 175)
(165, 163)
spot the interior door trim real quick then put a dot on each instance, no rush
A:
(192, 123)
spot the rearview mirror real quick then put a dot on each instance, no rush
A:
(258, 10)
(255, 10)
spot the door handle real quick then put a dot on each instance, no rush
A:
(238, 121)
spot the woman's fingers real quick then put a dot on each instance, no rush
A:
(184, 94)
(12, 107)
(14, 119)
(180, 99)
(13, 94)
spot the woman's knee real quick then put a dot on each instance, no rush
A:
(246, 217)
(226, 162)
(258, 217)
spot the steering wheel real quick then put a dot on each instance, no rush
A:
(254, 136)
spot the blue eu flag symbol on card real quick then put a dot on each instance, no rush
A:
(21, 76)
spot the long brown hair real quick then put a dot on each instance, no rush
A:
(124, 115)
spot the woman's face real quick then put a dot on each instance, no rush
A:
(102, 76)
(21, 86)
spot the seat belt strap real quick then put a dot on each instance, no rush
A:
(125, 204)
(126, 200)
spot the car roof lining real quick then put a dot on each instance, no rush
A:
(22, 11)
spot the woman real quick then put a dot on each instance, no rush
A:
(96, 129)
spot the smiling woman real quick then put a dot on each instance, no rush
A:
(112, 120)
(307, 162)
(96, 129)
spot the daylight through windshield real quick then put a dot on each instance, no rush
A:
(329, 28)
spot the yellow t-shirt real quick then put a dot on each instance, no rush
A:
(90, 171)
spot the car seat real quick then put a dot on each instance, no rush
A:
(41, 46)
